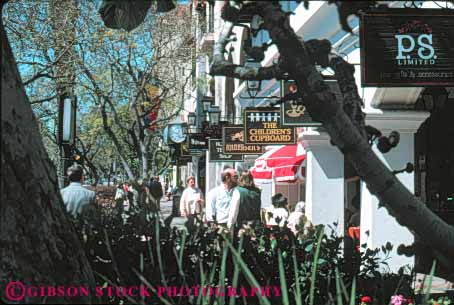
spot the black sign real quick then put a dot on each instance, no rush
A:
(187, 154)
(233, 139)
(197, 141)
(262, 125)
(217, 152)
(293, 112)
(407, 47)
(213, 131)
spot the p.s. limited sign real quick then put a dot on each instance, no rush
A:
(407, 47)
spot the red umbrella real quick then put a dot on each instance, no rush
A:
(283, 163)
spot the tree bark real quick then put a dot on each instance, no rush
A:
(39, 245)
(393, 195)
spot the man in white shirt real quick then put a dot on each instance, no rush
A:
(77, 199)
(191, 202)
(221, 197)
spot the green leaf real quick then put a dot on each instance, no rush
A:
(309, 247)
(297, 283)
(314, 265)
(338, 289)
(158, 251)
(236, 271)
(353, 292)
(247, 272)
(282, 278)
(221, 284)
(429, 285)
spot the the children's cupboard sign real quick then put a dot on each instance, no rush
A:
(407, 48)
(262, 125)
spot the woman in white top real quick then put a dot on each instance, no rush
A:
(191, 202)
(297, 217)
(278, 214)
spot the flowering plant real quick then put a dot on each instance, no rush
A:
(440, 301)
(365, 300)
(401, 300)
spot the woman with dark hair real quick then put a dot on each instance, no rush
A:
(278, 214)
(247, 210)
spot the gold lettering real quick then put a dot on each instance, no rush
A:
(270, 125)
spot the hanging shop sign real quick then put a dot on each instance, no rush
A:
(262, 125)
(182, 156)
(217, 153)
(293, 112)
(184, 151)
(233, 142)
(407, 48)
(213, 131)
(197, 141)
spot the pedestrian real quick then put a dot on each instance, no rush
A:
(278, 214)
(176, 197)
(191, 202)
(120, 198)
(297, 218)
(169, 192)
(77, 199)
(126, 187)
(156, 192)
(220, 198)
(133, 194)
(247, 209)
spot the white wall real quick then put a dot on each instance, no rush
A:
(377, 226)
(324, 181)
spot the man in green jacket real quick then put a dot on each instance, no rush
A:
(246, 210)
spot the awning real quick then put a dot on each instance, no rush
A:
(283, 163)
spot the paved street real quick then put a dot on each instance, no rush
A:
(166, 210)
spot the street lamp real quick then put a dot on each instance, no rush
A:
(68, 120)
(214, 113)
(191, 119)
(207, 101)
(253, 87)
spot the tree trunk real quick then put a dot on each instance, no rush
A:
(144, 159)
(39, 245)
(346, 132)
(398, 200)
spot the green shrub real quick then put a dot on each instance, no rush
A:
(121, 249)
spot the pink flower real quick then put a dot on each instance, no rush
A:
(397, 299)
(366, 299)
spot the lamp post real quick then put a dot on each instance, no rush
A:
(206, 103)
(253, 88)
(214, 113)
(191, 119)
(66, 132)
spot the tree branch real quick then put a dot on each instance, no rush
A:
(114, 139)
(398, 200)
(37, 76)
(222, 67)
(44, 99)
(41, 73)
